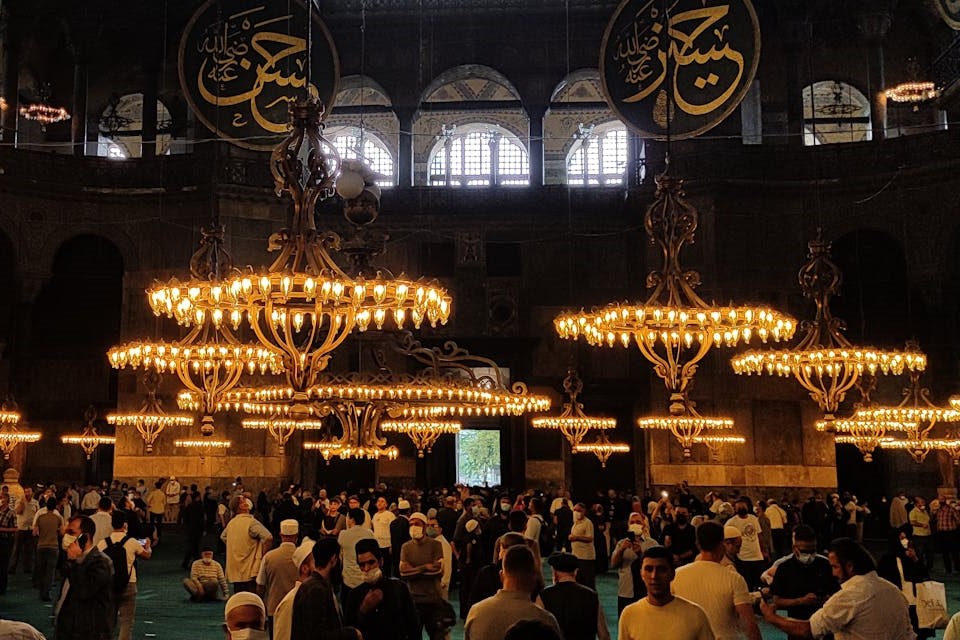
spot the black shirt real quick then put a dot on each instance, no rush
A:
(681, 540)
(395, 618)
(575, 608)
(795, 580)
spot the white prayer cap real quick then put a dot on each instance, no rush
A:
(416, 515)
(303, 552)
(471, 525)
(241, 599)
(289, 527)
(729, 531)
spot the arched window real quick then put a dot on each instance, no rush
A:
(599, 155)
(121, 128)
(354, 143)
(834, 111)
(476, 155)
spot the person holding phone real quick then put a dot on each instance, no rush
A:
(85, 610)
(125, 601)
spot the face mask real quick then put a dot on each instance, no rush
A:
(432, 532)
(372, 576)
(905, 543)
(742, 512)
(416, 532)
(504, 506)
(207, 560)
(578, 515)
(475, 510)
(249, 634)
(681, 519)
(636, 529)
(68, 539)
(805, 558)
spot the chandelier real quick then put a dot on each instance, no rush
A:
(716, 444)
(824, 361)
(304, 305)
(423, 432)
(675, 328)
(204, 447)
(913, 92)
(89, 440)
(150, 420)
(280, 429)
(42, 111)
(10, 435)
(573, 423)
(450, 383)
(919, 448)
(602, 448)
(209, 360)
(688, 428)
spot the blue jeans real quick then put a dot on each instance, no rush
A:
(46, 569)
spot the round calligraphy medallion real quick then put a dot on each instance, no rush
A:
(243, 61)
(950, 12)
(679, 65)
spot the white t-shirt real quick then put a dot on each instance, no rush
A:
(677, 620)
(750, 530)
(532, 532)
(718, 591)
(381, 527)
(131, 546)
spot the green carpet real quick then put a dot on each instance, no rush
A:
(164, 611)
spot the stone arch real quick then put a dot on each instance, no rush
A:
(363, 114)
(360, 91)
(835, 111)
(119, 238)
(470, 83)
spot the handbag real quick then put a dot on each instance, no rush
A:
(932, 605)
(909, 589)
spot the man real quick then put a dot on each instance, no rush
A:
(316, 615)
(283, 614)
(948, 521)
(381, 608)
(23, 543)
(8, 529)
(244, 617)
(576, 608)
(353, 502)
(681, 538)
(399, 534)
(752, 554)
(332, 522)
(85, 609)
(207, 581)
(490, 618)
(732, 541)
(581, 545)
(804, 580)
(447, 516)
(125, 601)
(867, 606)
(535, 523)
(898, 510)
(421, 567)
(91, 500)
(661, 615)
(778, 531)
(381, 521)
(193, 523)
(103, 519)
(247, 541)
(721, 593)
(434, 531)
(277, 573)
(348, 539)
(171, 492)
(156, 504)
(47, 527)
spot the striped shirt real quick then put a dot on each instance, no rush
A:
(212, 572)
(948, 518)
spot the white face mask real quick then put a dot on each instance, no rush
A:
(504, 506)
(416, 532)
(905, 543)
(207, 560)
(372, 576)
(636, 528)
(68, 539)
(249, 634)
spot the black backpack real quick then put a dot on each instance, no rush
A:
(118, 555)
(548, 535)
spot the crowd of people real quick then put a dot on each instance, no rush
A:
(380, 563)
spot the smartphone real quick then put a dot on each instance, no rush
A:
(631, 536)
(664, 494)
(82, 540)
(142, 541)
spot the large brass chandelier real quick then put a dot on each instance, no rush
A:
(10, 434)
(864, 432)
(89, 439)
(675, 328)
(150, 420)
(824, 361)
(424, 432)
(602, 448)
(304, 305)
(209, 360)
(572, 422)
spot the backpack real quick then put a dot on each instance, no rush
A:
(548, 535)
(118, 555)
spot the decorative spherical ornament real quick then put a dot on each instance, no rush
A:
(350, 184)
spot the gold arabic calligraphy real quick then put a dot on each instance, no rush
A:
(696, 39)
(244, 64)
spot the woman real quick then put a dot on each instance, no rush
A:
(600, 539)
(626, 551)
(902, 567)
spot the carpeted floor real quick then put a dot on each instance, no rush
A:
(165, 612)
